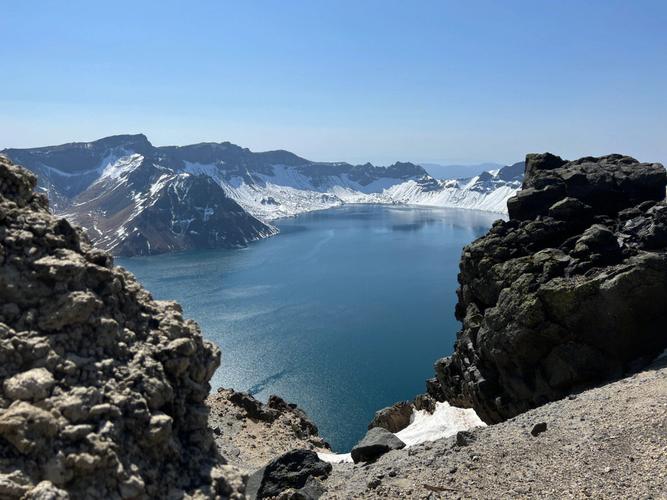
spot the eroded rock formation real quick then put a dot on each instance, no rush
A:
(569, 292)
(103, 388)
(250, 433)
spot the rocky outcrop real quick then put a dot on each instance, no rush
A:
(103, 388)
(294, 475)
(567, 293)
(374, 444)
(393, 418)
(250, 433)
(398, 416)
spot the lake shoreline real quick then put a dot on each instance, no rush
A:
(315, 316)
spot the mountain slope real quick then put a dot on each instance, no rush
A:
(129, 204)
(135, 198)
(147, 209)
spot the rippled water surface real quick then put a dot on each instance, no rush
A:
(342, 313)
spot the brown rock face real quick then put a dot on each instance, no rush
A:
(394, 418)
(567, 293)
(103, 388)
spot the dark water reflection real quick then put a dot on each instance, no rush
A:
(343, 313)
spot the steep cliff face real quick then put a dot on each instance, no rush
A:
(569, 292)
(151, 210)
(103, 388)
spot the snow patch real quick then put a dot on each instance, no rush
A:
(336, 458)
(294, 190)
(113, 167)
(444, 422)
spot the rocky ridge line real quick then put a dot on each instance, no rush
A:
(133, 198)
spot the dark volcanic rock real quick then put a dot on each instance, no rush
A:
(186, 212)
(567, 293)
(464, 438)
(292, 471)
(608, 184)
(538, 429)
(252, 407)
(425, 402)
(102, 388)
(375, 443)
(393, 418)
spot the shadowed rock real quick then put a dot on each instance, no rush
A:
(292, 471)
(569, 292)
(375, 443)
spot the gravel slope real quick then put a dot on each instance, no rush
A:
(608, 442)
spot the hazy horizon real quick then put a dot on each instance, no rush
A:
(428, 82)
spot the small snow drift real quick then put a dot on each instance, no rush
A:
(445, 421)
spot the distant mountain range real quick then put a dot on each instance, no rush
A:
(134, 198)
(439, 171)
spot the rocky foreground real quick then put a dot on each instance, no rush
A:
(103, 388)
(608, 442)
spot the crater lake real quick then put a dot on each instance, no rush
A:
(343, 312)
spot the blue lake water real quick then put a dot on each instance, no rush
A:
(344, 312)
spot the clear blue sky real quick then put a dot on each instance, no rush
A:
(438, 81)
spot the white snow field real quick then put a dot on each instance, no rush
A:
(289, 192)
(444, 422)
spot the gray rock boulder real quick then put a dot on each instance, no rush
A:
(31, 385)
(375, 443)
(568, 293)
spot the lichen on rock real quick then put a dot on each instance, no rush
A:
(568, 292)
(103, 388)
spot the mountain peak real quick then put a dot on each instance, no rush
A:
(137, 142)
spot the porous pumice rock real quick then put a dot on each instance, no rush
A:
(569, 292)
(31, 385)
(102, 388)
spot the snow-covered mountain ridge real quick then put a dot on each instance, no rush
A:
(135, 198)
